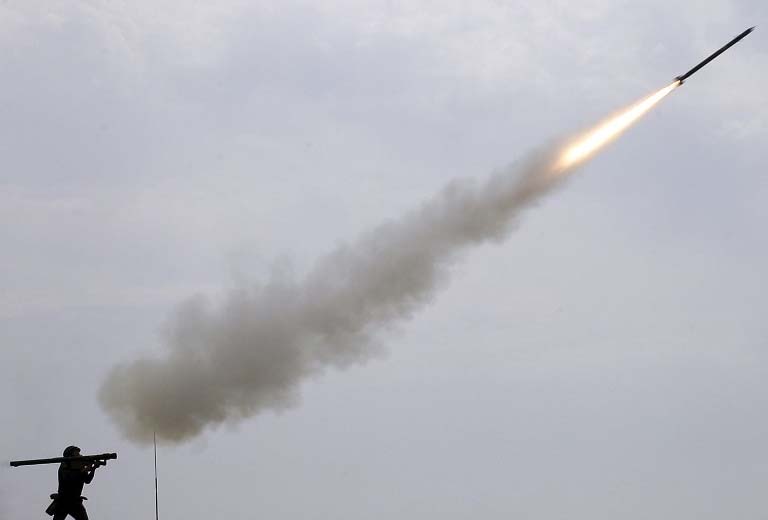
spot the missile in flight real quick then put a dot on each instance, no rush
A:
(714, 55)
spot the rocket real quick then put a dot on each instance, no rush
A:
(714, 55)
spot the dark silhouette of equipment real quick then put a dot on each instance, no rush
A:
(75, 471)
(92, 460)
(154, 441)
(714, 55)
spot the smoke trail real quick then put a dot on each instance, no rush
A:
(252, 354)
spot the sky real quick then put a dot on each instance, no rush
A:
(606, 360)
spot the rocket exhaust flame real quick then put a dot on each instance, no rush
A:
(252, 354)
(586, 145)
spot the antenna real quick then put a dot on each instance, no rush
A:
(154, 441)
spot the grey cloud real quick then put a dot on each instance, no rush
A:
(614, 346)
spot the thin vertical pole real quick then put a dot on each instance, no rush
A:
(154, 441)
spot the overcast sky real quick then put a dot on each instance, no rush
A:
(606, 361)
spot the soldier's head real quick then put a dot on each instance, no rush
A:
(71, 451)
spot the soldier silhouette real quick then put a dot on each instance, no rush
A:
(73, 475)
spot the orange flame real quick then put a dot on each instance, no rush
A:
(585, 145)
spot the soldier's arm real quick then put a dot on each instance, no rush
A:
(89, 475)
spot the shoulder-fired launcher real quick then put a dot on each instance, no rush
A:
(81, 459)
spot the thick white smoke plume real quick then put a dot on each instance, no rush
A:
(253, 353)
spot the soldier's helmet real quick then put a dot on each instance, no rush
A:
(70, 451)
